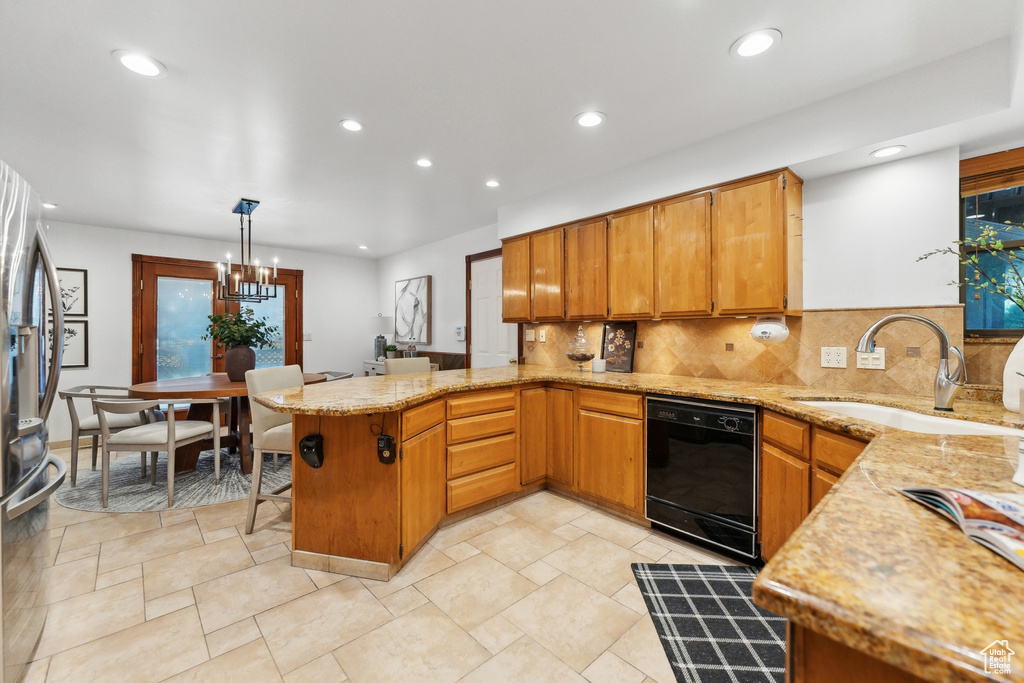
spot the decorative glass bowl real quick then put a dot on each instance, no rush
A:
(580, 349)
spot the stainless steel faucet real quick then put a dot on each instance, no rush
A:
(947, 384)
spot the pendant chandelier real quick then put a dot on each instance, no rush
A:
(251, 283)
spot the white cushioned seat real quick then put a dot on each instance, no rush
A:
(157, 432)
(278, 439)
(114, 421)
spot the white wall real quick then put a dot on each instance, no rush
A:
(339, 295)
(445, 262)
(864, 231)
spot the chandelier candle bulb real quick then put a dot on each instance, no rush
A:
(275, 268)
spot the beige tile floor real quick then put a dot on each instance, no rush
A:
(537, 590)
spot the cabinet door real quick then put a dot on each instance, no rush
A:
(548, 275)
(749, 247)
(821, 482)
(533, 435)
(682, 254)
(631, 264)
(515, 280)
(586, 270)
(785, 498)
(423, 479)
(560, 435)
(609, 458)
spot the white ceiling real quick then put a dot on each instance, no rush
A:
(485, 88)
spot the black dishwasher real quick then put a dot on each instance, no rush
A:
(702, 471)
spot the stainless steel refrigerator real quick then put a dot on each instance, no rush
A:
(29, 364)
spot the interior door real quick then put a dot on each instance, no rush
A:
(493, 343)
(172, 302)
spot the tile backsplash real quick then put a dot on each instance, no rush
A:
(698, 348)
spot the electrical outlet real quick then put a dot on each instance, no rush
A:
(872, 361)
(833, 356)
(542, 336)
(528, 335)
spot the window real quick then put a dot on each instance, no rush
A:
(992, 195)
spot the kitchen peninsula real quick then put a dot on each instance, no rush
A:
(869, 574)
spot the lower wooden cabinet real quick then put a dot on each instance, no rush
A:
(545, 435)
(482, 445)
(821, 482)
(609, 458)
(422, 485)
(483, 486)
(785, 497)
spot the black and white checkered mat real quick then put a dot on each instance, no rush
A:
(709, 625)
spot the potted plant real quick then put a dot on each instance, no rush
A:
(391, 350)
(240, 332)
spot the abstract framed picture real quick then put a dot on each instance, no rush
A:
(76, 343)
(617, 346)
(412, 310)
(74, 291)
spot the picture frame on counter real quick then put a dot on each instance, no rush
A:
(618, 344)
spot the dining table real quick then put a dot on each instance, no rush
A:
(210, 386)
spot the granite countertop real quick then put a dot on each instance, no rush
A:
(868, 568)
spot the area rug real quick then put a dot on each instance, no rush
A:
(709, 625)
(131, 492)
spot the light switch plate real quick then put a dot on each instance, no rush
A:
(307, 336)
(542, 336)
(528, 335)
(872, 361)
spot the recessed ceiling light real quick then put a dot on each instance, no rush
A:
(363, 246)
(755, 43)
(493, 183)
(140, 63)
(888, 151)
(589, 119)
(49, 205)
(350, 124)
(424, 163)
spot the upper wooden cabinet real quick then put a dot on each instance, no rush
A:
(733, 250)
(631, 264)
(682, 257)
(515, 280)
(586, 270)
(757, 250)
(548, 256)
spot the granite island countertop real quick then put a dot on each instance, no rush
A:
(868, 568)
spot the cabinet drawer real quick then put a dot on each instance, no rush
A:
(481, 426)
(478, 404)
(612, 402)
(834, 451)
(421, 418)
(482, 486)
(785, 432)
(484, 454)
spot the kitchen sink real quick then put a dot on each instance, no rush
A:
(910, 421)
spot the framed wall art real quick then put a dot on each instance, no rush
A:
(617, 346)
(76, 343)
(74, 291)
(412, 310)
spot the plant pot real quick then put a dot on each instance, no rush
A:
(237, 360)
(392, 354)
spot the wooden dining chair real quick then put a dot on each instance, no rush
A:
(89, 425)
(271, 432)
(155, 437)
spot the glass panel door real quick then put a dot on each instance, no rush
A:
(183, 307)
(273, 311)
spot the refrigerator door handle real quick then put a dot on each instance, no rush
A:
(57, 352)
(18, 504)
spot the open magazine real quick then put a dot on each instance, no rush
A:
(996, 523)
